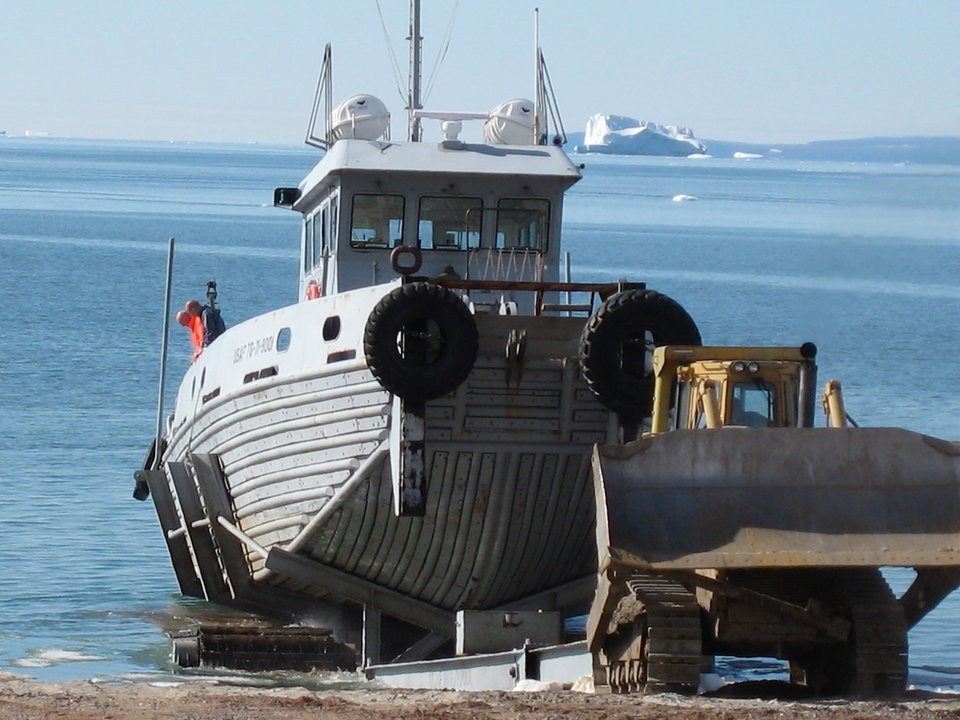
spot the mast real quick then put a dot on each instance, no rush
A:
(537, 75)
(413, 97)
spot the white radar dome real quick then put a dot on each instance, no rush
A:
(361, 117)
(510, 123)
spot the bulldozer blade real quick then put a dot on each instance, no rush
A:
(778, 498)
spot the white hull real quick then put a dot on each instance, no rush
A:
(304, 457)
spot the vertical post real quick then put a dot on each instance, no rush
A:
(328, 94)
(833, 399)
(537, 78)
(407, 457)
(163, 352)
(414, 89)
(808, 386)
(371, 635)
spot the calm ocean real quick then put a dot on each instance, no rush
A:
(861, 259)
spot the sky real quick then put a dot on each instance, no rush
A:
(778, 71)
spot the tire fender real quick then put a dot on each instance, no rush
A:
(613, 347)
(420, 341)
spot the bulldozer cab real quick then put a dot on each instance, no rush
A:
(712, 387)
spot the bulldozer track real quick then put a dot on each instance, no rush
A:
(873, 661)
(879, 643)
(658, 644)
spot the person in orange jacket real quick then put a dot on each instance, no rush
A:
(189, 317)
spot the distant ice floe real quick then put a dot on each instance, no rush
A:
(747, 156)
(47, 657)
(684, 198)
(620, 135)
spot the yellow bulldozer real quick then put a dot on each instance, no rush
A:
(735, 527)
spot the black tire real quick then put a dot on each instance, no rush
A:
(421, 341)
(613, 347)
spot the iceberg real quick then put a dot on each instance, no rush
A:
(620, 135)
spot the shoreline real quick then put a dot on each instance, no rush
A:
(220, 700)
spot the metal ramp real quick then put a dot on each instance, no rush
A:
(563, 664)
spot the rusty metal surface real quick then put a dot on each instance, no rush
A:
(779, 497)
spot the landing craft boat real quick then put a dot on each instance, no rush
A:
(413, 436)
(434, 432)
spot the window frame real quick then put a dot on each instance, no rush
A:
(391, 241)
(472, 243)
(543, 226)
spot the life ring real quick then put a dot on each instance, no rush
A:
(613, 347)
(421, 341)
(416, 259)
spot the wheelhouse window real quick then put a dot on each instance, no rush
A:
(334, 223)
(320, 236)
(522, 224)
(308, 230)
(447, 223)
(376, 221)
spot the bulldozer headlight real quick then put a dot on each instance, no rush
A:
(753, 367)
(739, 366)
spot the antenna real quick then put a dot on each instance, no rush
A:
(537, 74)
(413, 99)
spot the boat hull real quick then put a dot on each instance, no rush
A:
(278, 492)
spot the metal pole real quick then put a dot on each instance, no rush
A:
(163, 352)
(414, 89)
(537, 81)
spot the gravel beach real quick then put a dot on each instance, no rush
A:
(23, 699)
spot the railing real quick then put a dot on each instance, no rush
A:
(540, 290)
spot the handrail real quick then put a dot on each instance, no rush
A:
(604, 290)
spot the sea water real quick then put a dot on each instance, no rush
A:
(861, 259)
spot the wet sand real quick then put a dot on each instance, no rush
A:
(22, 700)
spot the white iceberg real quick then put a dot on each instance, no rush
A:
(620, 135)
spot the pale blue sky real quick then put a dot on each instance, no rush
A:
(773, 71)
